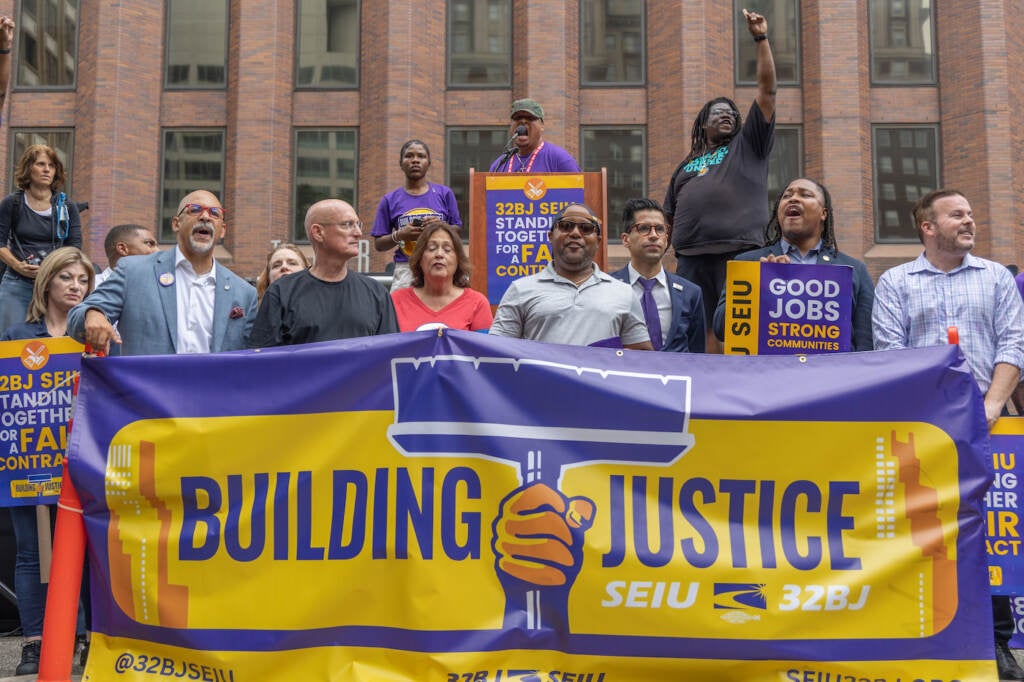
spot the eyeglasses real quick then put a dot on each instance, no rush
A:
(348, 225)
(216, 212)
(645, 229)
(586, 228)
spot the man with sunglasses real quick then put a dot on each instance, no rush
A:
(175, 301)
(672, 306)
(571, 301)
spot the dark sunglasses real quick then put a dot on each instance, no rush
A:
(585, 228)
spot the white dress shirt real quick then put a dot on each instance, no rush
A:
(102, 277)
(195, 305)
(661, 298)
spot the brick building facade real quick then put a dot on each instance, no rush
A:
(126, 110)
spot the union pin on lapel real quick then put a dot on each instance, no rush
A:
(166, 279)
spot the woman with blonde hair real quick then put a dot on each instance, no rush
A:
(283, 260)
(62, 281)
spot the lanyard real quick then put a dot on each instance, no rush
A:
(63, 222)
(529, 165)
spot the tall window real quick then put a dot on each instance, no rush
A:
(479, 43)
(623, 152)
(783, 17)
(906, 167)
(471, 148)
(60, 140)
(325, 168)
(612, 42)
(785, 163)
(902, 42)
(328, 44)
(192, 159)
(47, 43)
(197, 44)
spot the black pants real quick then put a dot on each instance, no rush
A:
(1002, 618)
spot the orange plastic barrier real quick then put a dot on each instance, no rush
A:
(65, 582)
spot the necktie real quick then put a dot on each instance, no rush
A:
(651, 312)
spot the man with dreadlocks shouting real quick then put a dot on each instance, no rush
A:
(716, 200)
(802, 231)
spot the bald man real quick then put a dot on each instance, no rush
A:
(175, 301)
(328, 301)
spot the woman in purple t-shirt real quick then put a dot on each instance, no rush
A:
(404, 212)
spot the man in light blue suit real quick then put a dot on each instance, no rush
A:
(673, 307)
(175, 301)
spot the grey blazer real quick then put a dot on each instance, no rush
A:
(146, 311)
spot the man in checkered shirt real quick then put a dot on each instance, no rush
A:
(915, 305)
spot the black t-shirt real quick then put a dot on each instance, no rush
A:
(299, 308)
(35, 235)
(719, 201)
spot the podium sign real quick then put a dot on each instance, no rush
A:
(519, 213)
(510, 216)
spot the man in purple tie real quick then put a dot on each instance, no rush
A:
(672, 306)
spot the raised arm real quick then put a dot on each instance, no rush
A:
(6, 45)
(766, 86)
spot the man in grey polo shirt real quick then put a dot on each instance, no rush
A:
(571, 301)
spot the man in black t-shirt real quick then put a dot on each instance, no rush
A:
(328, 301)
(717, 199)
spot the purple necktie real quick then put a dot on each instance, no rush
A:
(651, 312)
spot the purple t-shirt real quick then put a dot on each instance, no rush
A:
(397, 208)
(1019, 279)
(550, 159)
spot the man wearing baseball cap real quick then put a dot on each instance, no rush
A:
(528, 151)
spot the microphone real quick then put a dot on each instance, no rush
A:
(511, 144)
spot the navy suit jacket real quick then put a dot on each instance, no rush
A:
(686, 333)
(146, 312)
(863, 292)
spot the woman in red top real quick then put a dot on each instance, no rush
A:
(439, 295)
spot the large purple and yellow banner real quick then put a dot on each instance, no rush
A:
(451, 506)
(35, 404)
(784, 308)
(519, 212)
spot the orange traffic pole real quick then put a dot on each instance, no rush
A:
(62, 598)
(65, 587)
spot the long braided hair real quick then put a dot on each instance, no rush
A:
(698, 136)
(773, 230)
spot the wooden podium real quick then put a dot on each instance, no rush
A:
(509, 218)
